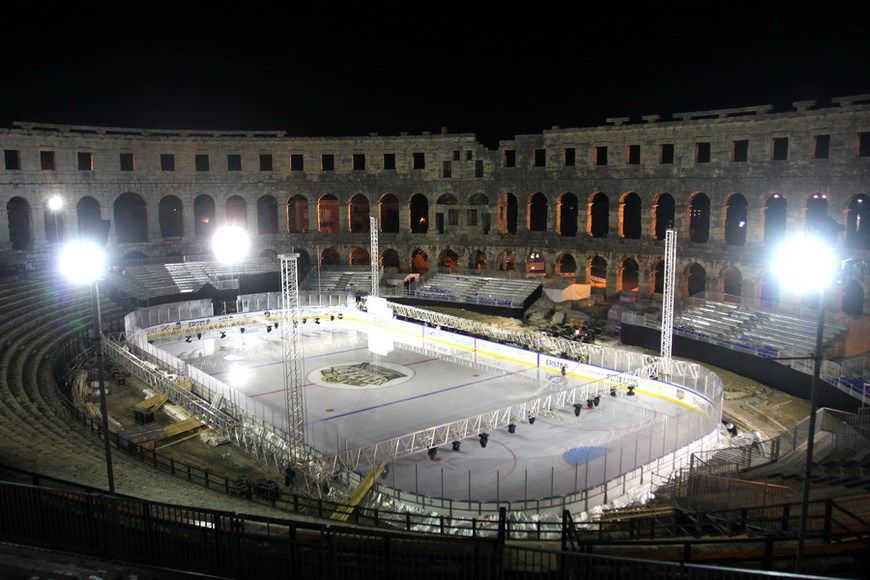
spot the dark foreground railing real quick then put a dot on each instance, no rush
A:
(229, 544)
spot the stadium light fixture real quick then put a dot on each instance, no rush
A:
(54, 203)
(84, 262)
(807, 264)
(230, 244)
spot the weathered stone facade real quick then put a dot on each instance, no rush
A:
(554, 178)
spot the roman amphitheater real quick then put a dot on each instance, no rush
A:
(403, 388)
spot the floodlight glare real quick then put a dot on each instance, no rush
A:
(82, 262)
(230, 244)
(55, 203)
(804, 263)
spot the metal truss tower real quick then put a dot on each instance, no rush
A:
(669, 292)
(291, 342)
(374, 256)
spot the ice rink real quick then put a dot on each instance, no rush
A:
(354, 397)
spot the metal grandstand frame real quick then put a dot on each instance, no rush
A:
(374, 258)
(291, 347)
(667, 333)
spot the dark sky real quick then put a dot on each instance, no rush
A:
(517, 69)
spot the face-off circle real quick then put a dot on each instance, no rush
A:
(360, 375)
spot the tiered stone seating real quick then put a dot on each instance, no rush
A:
(476, 290)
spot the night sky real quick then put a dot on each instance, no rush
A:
(519, 69)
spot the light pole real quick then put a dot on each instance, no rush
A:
(230, 246)
(84, 262)
(807, 264)
(55, 204)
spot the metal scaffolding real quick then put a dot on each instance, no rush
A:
(667, 333)
(291, 342)
(374, 256)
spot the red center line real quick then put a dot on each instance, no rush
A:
(272, 392)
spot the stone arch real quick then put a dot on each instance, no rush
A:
(596, 272)
(629, 275)
(816, 212)
(482, 220)
(267, 215)
(507, 214)
(419, 210)
(598, 215)
(327, 214)
(131, 218)
(731, 281)
(18, 214)
(775, 213)
(358, 214)
(506, 261)
(857, 228)
(390, 259)
(388, 207)
(537, 212)
(330, 257)
(359, 257)
(658, 277)
(419, 261)
(272, 254)
(566, 214)
(630, 216)
(133, 258)
(566, 266)
(236, 211)
(297, 214)
(664, 211)
(695, 279)
(203, 216)
(170, 213)
(90, 219)
(449, 259)
(477, 261)
(736, 220)
(699, 218)
(303, 262)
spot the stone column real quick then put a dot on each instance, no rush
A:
(189, 219)
(153, 215)
(251, 214)
(37, 229)
(404, 217)
(343, 214)
(717, 220)
(552, 204)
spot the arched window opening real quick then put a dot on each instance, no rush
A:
(419, 207)
(55, 225)
(419, 261)
(630, 216)
(297, 215)
(359, 257)
(170, 213)
(769, 289)
(131, 219)
(18, 214)
(327, 214)
(267, 215)
(91, 223)
(597, 272)
(303, 262)
(390, 259)
(599, 216)
(853, 298)
(505, 261)
(696, 279)
(699, 218)
(736, 216)
(857, 228)
(567, 218)
(629, 274)
(535, 264)
(731, 282)
(330, 257)
(479, 212)
(477, 261)
(566, 266)
(236, 213)
(203, 216)
(774, 219)
(659, 277)
(537, 212)
(449, 260)
(451, 218)
(507, 214)
(817, 220)
(358, 212)
(389, 212)
(664, 210)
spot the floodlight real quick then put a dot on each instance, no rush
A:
(597, 400)
(590, 403)
(630, 390)
(484, 439)
(456, 445)
(531, 420)
(55, 203)
(805, 263)
(433, 451)
(512, 428)
(187, 338)
(230, 244)
(82, 261)
(577, 407)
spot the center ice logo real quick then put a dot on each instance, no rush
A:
(360, 375)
